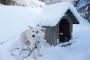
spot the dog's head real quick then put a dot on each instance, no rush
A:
(37, 32)
(33, 31)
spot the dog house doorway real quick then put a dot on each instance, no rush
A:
(64, 31)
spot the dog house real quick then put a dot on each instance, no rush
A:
(61, 32)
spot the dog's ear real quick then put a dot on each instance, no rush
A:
(30, 27)
(43, 29)
(40, 27)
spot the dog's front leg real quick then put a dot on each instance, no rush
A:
(34, 54)
(38, 49)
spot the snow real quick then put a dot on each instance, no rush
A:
(14, 20)
(56, 12)
(51, 13)
(79, 50)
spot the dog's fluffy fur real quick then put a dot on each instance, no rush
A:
(31, 37)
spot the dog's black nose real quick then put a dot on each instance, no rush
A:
(33, 35)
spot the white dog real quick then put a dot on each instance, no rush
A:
(30, 40)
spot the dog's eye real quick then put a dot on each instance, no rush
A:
(36, 31)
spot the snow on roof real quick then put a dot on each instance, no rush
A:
(14, 19)
(48, 15)
(55, 12)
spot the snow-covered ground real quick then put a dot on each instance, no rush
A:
(14, 21)
(79, 50)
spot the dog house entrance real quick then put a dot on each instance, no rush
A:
(64, 31)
